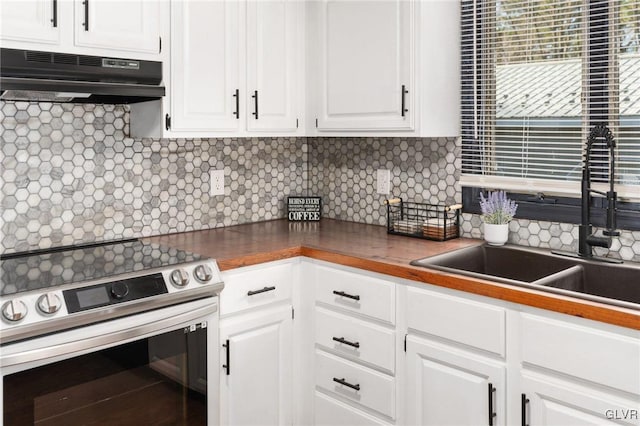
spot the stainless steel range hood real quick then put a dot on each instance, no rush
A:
(62, 77)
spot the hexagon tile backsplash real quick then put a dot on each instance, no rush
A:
(71, 175)
(343, 172)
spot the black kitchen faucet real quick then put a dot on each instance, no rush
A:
(586, 238)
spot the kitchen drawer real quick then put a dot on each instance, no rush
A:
(331, 412)
(376, 390)
(598, 356)
(358, 293)
(474, 324)
(375, 344)
(246, 289)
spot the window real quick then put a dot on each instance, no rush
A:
(537, 75)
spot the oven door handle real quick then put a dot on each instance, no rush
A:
(75, 347)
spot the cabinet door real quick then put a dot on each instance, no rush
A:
(30, 21)
(549, 402)
(365, 61)
(446, 386)
(204, 66)
(272, 55)
(124, 25)
(256, 383)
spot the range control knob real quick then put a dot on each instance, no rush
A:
(14, 310)
(119, 290)
(203, 273)
(49, 303)
(179, 277)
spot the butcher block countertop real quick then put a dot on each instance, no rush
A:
(369, 247)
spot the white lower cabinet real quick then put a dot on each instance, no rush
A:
(256, 374)
(466, 359)
(446, 386)
(548, 401)
(256, 346)
(355, 347)
(573, 374)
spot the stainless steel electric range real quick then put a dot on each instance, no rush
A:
(113, 333)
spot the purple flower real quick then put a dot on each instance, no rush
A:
(497, 208)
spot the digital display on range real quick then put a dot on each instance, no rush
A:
(97, 296)
(92, 297)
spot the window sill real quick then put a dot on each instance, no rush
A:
(558, 209)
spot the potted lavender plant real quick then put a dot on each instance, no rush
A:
(497, 212)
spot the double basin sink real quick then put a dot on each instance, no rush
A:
(613, 284)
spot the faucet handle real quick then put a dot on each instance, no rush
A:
(595, 241)
(611, 232)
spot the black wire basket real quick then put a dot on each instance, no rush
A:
(421, 220)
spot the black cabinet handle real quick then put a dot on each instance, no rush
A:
(347, 384)
(403, 108)
(227, 366)
(346, 342)
(523, 405)
(237, 111)
(349, 296)
(167, 121)
(492, 413)
(262, 290)
(54, 14)
(255, 103)
(86, 15)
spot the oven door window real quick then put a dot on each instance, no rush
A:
(160, 380)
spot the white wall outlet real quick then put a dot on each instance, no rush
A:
(217, 182)
(383, 181)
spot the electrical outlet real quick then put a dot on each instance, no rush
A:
(217, 182)
(383, 181)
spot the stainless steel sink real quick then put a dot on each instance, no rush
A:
(539, 269)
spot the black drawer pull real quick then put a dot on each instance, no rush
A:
(346, 342)
(347, 384)
(492, 413)
(262, 290)
(523, 406)
(343, 294)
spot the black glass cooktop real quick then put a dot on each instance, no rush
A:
(43, 269)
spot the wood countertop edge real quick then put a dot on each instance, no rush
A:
(538, 299)
(524, 296)
(257, 258)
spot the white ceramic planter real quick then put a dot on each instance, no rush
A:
(496, 235)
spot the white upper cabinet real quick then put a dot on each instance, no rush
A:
(387, 67)
(92, 27)
(121, 25)
(365, 65)
(236, 70)
(34, 21)
(204, 66)
(272, 58)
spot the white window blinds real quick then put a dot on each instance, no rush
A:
(537, 75)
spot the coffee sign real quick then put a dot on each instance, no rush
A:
(304, 209)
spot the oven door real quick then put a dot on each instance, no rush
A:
(158, 367)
